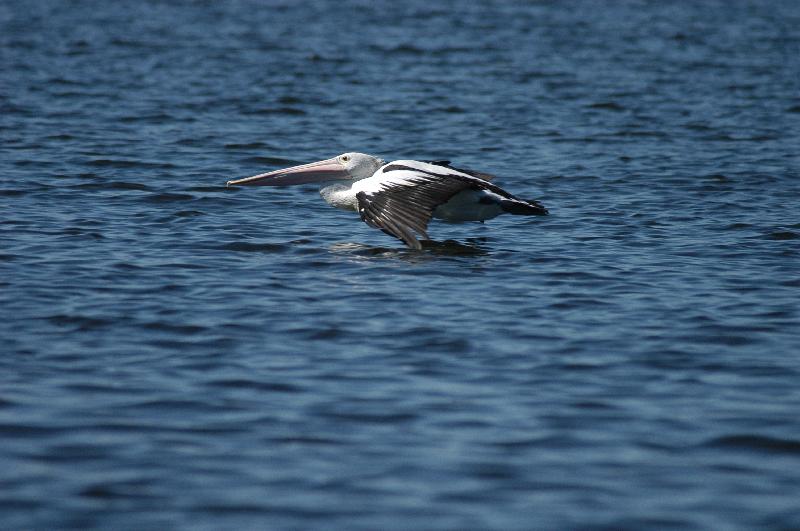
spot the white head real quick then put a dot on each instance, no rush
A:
(360, 165)
(345, 167)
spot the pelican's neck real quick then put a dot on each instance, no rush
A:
(340, 196)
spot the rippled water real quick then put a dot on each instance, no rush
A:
(178, 355)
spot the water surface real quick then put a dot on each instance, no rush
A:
(177, 354)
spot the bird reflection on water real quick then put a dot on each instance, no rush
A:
(430, 248)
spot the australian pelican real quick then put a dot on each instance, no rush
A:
(401, 197)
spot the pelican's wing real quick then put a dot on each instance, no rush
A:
(403, 205)
(401, 196)
(474, 173)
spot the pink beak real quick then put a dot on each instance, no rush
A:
(324, 170)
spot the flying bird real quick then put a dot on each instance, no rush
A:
(401, 197)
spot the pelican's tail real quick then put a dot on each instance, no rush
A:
(518, 207)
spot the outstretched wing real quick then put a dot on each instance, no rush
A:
(401, 197)
(403, 205)
(474, 173)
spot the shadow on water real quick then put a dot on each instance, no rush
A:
(430, 249)
(472, 247)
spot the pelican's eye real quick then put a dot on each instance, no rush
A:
(345, 158)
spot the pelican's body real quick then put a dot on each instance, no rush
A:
(400, 197)
(467, 205)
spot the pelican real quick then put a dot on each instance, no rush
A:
(401, 197)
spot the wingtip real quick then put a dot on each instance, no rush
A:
(541, 209)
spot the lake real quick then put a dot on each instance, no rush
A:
(182, 355)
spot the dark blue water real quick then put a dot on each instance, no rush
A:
(178, 355)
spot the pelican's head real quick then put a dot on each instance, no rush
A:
(345, 167)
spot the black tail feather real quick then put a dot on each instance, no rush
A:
(523, 208)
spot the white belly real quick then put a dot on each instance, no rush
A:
(469, 205)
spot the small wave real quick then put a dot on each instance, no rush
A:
(317, 58)
(607, 105)
(28, 430)
(72, 453)
(247, 145)
(168, 198)
(253, 247)
(402, 49)
(288, 111)
(58, 80)
(441, 344)
(290, 100)
(698, 126)
(372, 418)
(77, 231)
(208, 189)
(12, 193)
(524, 77)
(179, 265)
(242, 383)
(306, 440)
(120, 163)
(640, 134)
(783, 235)
(112, 185)
(739, 226)
(80, 322)
(724, 137)
(6, 403)
(190, 142)
(756, 443)
(37, 163)
(271, 160)
(179, 329)
(157, 118)
(110, 491)
(126, 266)
(188, 214)
(324, 334)
(137, 44)
(174, 404)
(70, 94)
(452, 109)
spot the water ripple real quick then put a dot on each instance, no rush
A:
(182, 355)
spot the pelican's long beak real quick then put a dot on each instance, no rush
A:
(324, 170)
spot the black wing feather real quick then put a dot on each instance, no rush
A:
(404, 209)
(474, 173)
